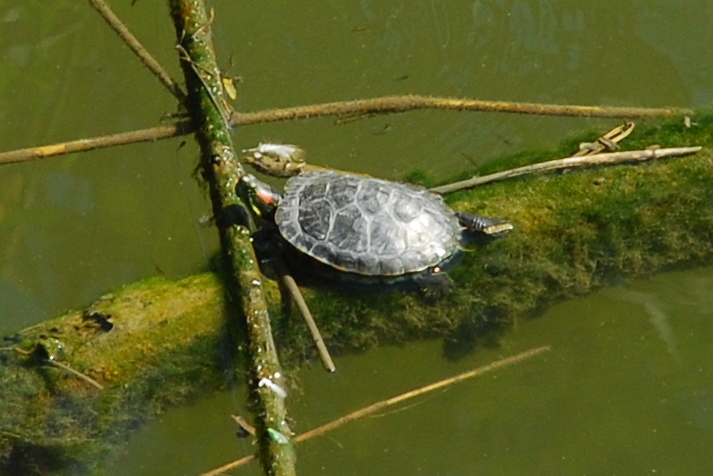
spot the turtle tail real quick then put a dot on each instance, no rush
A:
(484, 228)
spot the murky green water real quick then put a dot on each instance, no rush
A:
(627, 386)
(626, 389)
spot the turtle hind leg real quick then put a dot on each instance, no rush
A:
(434, 283)
(482, 228)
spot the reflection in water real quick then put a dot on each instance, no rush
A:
(523, 38)
(440, 19)
(657, 317)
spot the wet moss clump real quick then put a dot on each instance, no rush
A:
(158, 343)
(149, 345)
(574, 232)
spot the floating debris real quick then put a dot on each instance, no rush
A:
(277, 437)
(266, 382)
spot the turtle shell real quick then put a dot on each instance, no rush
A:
(365, 225)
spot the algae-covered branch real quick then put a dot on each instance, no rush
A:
(157, 343)
(223, 173)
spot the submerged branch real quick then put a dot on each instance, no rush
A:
(378, 406)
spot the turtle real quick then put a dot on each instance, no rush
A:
(361, 226)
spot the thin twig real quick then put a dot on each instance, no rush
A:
(76, 373)
(609, 142)
(199, 70)
(384, 105)
(59, 365)
(244, 425)
(83, 145)
(371, 409)
(302, 306)
(296, 294)
(394, 104)
(132, 42)
(568, 163)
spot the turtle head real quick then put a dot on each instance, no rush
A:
(278, 160)
(263, 198)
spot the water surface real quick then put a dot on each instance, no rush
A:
(626, 388)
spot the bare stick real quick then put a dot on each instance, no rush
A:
(83, 145)
(568, 163)
(76, 373)
(297, 297)
(309, 320)
(498, 364)
(394, 104)
(371, 409)
(59, 365)
(244, 425)
(384, 105)
(132, 42)
(609, 142)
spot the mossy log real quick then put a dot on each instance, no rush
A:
(157, 343)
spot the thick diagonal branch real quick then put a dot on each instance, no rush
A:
(222, 170)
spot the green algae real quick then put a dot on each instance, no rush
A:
(157, 343)
(574, 232)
